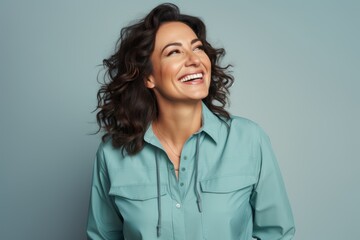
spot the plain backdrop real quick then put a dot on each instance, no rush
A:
(296, 65)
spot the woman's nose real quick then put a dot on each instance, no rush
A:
(192, 59)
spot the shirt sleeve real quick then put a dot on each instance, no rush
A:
(273, 217)
(104, 220)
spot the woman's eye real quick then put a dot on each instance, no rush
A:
(199, 48)
(173, 52)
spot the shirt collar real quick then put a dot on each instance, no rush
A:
(150, 137)
(210, 125)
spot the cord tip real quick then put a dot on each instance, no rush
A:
(158, 230)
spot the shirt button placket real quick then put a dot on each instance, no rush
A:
(182, 185)
(178, 220)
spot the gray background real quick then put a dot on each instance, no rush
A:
(296, 65)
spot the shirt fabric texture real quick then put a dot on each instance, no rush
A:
(228, 165)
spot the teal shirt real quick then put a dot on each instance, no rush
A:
(229, 187)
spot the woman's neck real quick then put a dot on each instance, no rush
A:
(178, 123)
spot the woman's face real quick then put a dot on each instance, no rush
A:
(181, 68)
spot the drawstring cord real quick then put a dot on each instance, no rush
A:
(158, 227)
(198, 197)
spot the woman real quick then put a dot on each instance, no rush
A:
(174, 164)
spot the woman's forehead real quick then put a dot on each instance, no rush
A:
(171, 31)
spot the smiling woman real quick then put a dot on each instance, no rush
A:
(174, 164)
(181, 68)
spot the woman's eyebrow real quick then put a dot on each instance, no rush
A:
(171, 44)
(179, 44)
(195, 40)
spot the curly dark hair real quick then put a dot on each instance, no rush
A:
(126, 107)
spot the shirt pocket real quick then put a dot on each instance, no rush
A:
(227, 212)
(226, 184)
(137, 192)
(138, 206)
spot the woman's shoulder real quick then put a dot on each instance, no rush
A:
(243, 122)
(106, 150)
(105, 145)
(246, 126)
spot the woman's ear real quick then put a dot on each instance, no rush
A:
(149, 82)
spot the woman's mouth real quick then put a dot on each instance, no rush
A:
(191, 77)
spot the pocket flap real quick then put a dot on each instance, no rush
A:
(226, 184)
(137, 192)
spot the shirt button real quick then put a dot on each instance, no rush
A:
(178, 205)
(181, 184)
(183, 169)
(185, 157)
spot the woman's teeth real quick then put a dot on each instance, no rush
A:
(191, 77)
